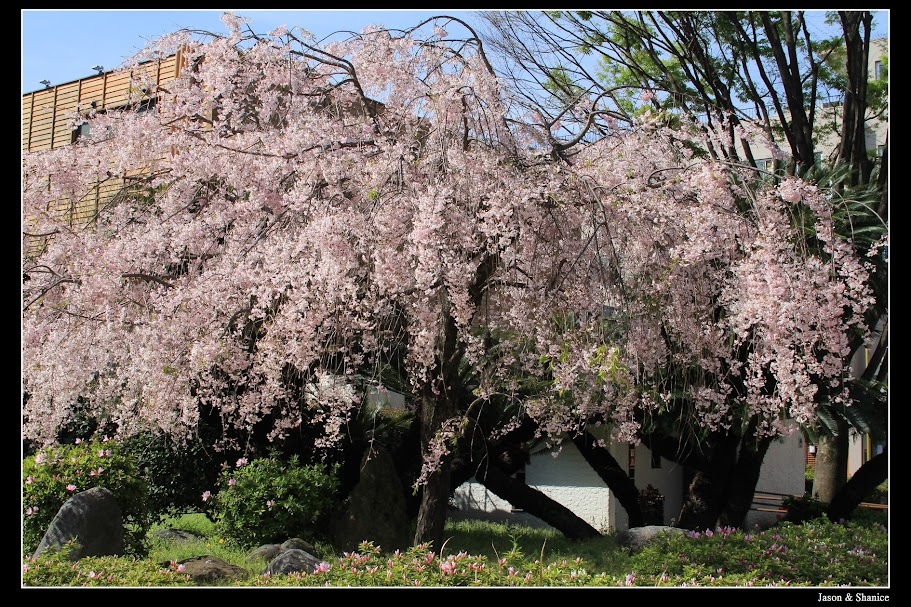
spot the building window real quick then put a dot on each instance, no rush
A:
(81, 131)
(766, 167)
(656, 460)
(146, 105)
(880, 150)
(878, 70)
(84, 129)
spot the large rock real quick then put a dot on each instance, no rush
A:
(92, 518)
(292, 561)
(268, 552)
(375, 509)
(637, 537)
(208, 568)
(176, 535)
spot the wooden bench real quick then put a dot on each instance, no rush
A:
(765, 501)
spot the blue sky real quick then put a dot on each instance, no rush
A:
(64, 45)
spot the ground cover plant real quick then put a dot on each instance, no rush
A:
(479, 553)
(295, 221)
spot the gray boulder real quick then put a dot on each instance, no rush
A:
(175, 535)
(637, 537)
(292, 561)
(93, 519)
(267, 552)
(208, 568)
(375, 509)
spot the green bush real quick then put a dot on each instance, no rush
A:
(880, 494)
(809, 475)
(812, 553)
(267, 501)
(802, 509)
(54, 474)
(177, 473)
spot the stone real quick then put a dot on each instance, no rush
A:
(292, 561)
(375, 509)
(207, 568)
(176, 535)
(93, 519)
(267, 552)
(296, 542)
(637, 537)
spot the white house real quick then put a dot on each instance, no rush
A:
(568, 479)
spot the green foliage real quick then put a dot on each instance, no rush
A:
(177, 474)
(163, 549)
(267, 501)
(809, 475)
(881, 493)
(868, 517)
(804, 508)
(562, 86)
(54, 569)
(54, 474)
(814, 553)
(481, 553)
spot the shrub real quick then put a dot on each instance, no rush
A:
(54, 474)
(880, 494)
(54, 569)
(266, 501)
(177, 473)
(802, 509)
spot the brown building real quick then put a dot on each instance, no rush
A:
(49, 122)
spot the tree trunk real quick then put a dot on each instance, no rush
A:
(432, 513)
(739, 495)
(613, 475)
(702, 504)
(853, 149)
(861, 485)
(536, 503)
(831, 463)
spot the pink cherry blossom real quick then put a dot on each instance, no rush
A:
(293, 213)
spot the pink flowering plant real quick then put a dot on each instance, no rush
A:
(56, 473)
(54, 569)
(477, 553)
(268, 499)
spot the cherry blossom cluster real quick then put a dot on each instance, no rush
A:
(296, 215)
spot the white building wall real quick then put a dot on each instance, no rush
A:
(667, 479)
(782, 472)
(568, 479)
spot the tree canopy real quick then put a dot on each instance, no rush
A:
(299, 219)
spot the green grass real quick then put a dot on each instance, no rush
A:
(481, 553)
